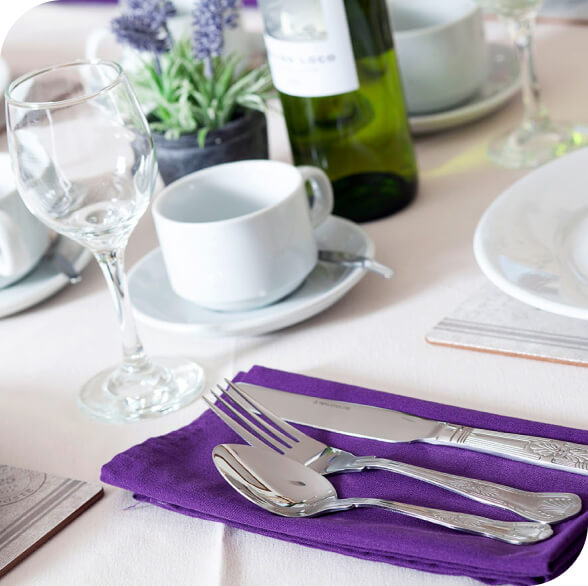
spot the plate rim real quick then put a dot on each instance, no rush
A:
(483, 258)
(271, 323)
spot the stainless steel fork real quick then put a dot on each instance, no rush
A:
(547, 507)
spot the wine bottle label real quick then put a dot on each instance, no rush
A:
(321, 66)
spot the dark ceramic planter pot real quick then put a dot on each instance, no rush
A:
(242, 138)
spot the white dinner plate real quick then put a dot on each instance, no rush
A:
(157, 304)
(44, 280)
(501, 84)
(532, 242)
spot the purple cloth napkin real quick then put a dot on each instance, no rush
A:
(175, 471)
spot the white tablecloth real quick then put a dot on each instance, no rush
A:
(373, 337)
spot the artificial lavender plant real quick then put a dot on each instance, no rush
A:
(188, 85)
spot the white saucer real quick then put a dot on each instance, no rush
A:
(532, 242)
(44, 280)
(157, 304)
(502, 83)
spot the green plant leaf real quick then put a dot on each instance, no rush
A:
(182, 99)
(202, 133)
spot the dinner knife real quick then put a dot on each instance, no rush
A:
(393, 426)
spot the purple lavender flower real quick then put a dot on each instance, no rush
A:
(211, 18)
(163, 8)
(144, 27)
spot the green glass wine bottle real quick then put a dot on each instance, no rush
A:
(334, 66)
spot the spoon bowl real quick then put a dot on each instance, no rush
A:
(288, 488)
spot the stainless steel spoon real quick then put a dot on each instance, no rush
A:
(60, 263)
(288, 488)
(355, 260)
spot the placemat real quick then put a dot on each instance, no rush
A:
(491, 321)
(33, 507)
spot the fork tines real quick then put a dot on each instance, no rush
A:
(243, 411)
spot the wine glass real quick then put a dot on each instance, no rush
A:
(537, 139)
(85, 165)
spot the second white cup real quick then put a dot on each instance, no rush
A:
(240, 235)
(23, 238)
(441, 51)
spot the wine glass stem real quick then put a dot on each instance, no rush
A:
(111, 263)
(521, 30)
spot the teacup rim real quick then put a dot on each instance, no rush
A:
(157, 201)
(475, 8)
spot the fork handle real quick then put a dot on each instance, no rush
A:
(517, 533)
(546, 507)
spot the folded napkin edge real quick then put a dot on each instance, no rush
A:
(372, 555)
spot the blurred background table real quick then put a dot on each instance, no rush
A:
(373, 337)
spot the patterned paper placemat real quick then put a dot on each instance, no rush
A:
(33, 507)
(491, 321)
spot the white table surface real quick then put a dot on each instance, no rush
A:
(373, 337)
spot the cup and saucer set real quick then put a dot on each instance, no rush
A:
(32, 257)
(238, 251)
(450, 74)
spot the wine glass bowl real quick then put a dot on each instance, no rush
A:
(80, 170)
(85, 165)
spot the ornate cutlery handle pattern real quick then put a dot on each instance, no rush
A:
(525, 448)
(546, 507)
(517, 533)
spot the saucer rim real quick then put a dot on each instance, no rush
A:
(248, 322)
(470, 110)
(45, 288)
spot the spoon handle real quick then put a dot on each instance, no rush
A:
(547, 507)
(512, 532)
(354, 260)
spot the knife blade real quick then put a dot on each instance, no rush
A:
(387, 425)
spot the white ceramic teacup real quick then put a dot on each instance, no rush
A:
(23, 238)
(441, 51)
(240, 235)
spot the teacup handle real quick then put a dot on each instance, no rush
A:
(93, 42)
(11, 251)
(322, 202)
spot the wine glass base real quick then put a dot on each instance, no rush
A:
(533, 145)
(117, 396)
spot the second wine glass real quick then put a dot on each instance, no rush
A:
(538, 138)
(85, 165)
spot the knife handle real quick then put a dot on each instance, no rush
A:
(546, 452)
(546, 507)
